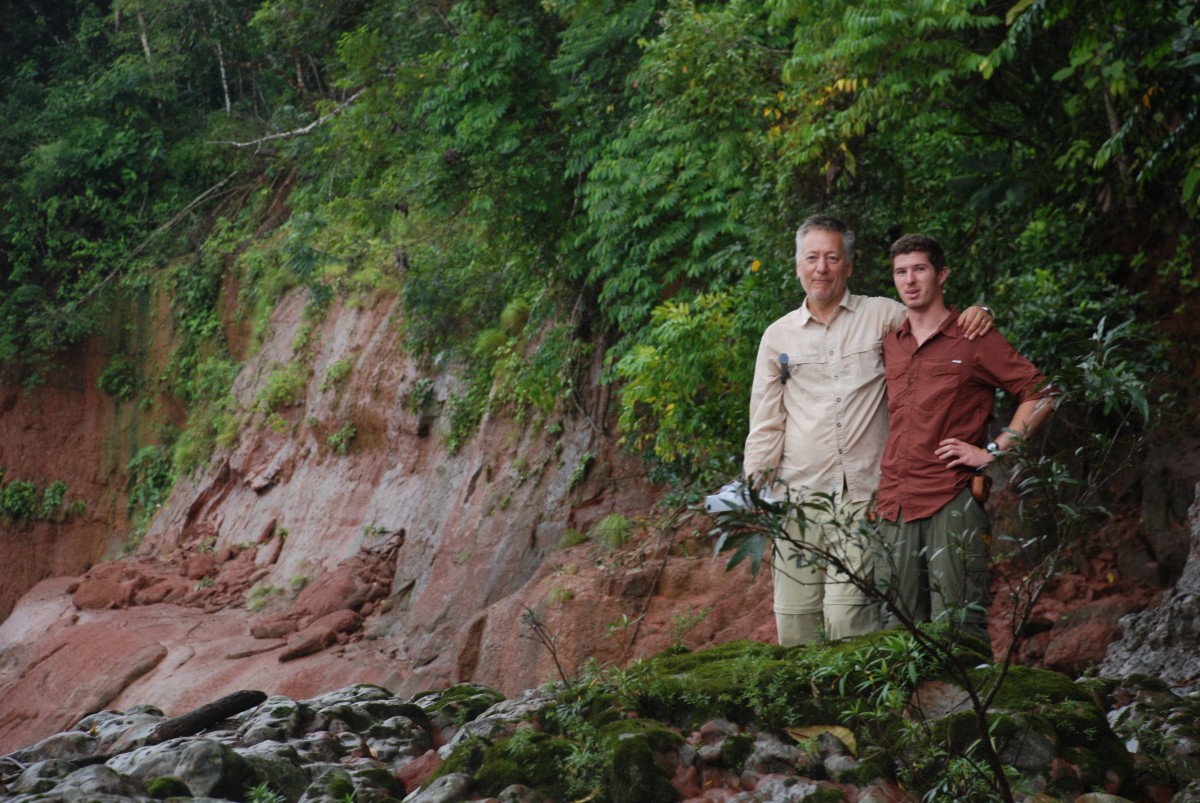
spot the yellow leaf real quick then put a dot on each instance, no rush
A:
(844, 735)
(1111, 577)
(754, 266)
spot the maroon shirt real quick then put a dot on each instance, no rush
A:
(944, 389)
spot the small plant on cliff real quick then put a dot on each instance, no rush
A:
(420, 398)
(336, 374)
(211, 422)
(682, 624)
(21, 503)
(612, 531)
(284, 388)
(340, 440)
(118, 379)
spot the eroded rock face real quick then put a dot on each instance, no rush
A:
(1161, 642)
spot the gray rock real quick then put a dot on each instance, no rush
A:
(1188, 794)
(769, 754)
(778, 790)
(206, 766)
(1159, 642)
(452, 788)
(70, 745)
(331, 787)
(522, 794)
(321, 746)
(42, 776)
(277, 719)
(99, 782)
(278, 769)
(1029, 750)
(500, 719)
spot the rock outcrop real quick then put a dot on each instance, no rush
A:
(1161, 642)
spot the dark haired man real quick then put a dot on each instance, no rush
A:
(818, 424)
(941, 389)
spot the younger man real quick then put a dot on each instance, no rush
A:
(941, 388)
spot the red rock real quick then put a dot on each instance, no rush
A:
(275, 627)
(1079, 639)
(321, 634)
(199, 565)
(168, 589)
(109, 585)
(78, 669)
(414, 773)
(686, 783)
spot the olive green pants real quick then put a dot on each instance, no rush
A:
(937, 567)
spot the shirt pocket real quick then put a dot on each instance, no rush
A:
(940, 384)
(897, 384)
(863, 362)
(808, 366)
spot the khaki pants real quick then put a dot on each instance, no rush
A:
(809, 592)
(937, 567)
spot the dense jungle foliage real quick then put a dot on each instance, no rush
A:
(541, 178)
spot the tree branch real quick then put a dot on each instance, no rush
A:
(295, 132)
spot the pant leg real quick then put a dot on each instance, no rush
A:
(794, 629)
(958, 565)
(798, 586)
(900, 570)
(849, 609)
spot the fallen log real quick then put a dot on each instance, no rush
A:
(205, 716)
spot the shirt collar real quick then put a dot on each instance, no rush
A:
(849, 302)
(949, 327)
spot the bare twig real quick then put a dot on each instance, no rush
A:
(541, 634)
(295, 132)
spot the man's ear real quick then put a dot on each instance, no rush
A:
(943, 275)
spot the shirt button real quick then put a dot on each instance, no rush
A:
(839, 425)
(839, 398)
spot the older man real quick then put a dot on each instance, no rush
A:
(941, 388)
(818, 423)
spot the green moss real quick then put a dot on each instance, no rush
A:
(733, 681)
(466, 701)
(534, 759)
(631, 773)
(166, 786)
(736, 749)
(1025, 687)
(826, 794)
(498, 773)
(659, 737)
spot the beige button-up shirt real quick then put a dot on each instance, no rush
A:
(823, 430)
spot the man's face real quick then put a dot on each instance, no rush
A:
(822, 267)
(917, 281)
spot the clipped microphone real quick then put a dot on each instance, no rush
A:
(783, 369)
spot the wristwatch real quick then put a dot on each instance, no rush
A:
(988, 310)
(993, 449)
